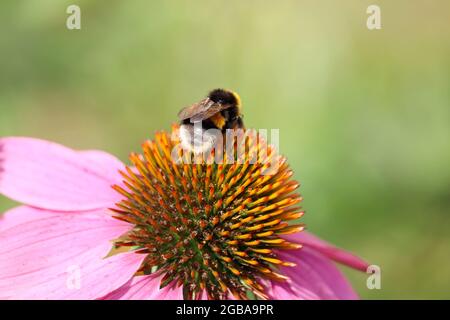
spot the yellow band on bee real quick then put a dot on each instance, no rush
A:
(237, 97)
(218, 120)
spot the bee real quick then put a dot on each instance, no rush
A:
(220, 110)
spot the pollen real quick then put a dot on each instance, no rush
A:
(209, 227)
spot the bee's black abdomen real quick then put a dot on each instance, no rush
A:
(240, 123)
(233, 118)
(230, 113)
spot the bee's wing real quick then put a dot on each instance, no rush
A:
(194, 109)
(201, 110)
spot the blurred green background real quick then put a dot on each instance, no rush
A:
(363, 115)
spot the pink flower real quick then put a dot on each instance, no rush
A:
(57, 244)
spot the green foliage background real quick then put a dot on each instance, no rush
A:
(363, 115)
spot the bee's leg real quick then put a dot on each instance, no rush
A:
(239, 123)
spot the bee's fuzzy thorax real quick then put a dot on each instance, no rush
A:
(225, 96)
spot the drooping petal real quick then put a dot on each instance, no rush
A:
(146, 287)
(56, 255)
(50, 176)
(314, 277)
(341, 256)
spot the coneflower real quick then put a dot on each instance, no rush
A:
(213, 227)
(181, 230)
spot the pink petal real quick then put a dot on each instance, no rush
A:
(107, 164)
(203, 296)
(146, 287)
(50, 176)
(42, 253)
(341, 256)
(314, 277)
(20, 215)
(287, 291)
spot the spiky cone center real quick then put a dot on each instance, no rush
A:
(209, 226)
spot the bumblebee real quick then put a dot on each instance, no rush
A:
(220, 110)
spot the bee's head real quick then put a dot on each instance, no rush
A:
(225, 97)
